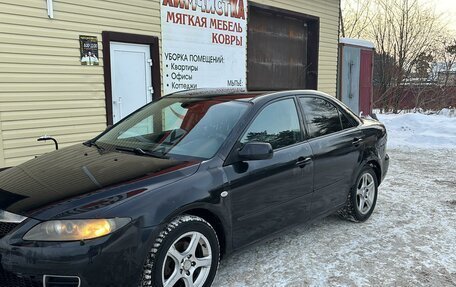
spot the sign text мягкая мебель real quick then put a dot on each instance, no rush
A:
(204, 44)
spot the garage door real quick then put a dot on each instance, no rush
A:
(277, 51)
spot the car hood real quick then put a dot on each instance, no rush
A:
(81, 176)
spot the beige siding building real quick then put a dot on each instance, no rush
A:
(44, 89)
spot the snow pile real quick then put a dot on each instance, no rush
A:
(415, 130)
(448, 112)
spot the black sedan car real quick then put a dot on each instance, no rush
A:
(160, 197)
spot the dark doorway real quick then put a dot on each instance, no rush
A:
(282, 49)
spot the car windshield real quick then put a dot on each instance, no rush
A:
(188, 127)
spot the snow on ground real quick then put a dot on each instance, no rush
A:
(410, 240)
(416, 130)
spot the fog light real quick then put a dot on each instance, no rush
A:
(59, 281)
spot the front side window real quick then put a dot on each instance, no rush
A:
(322, 117)
(277, 124)
(173, 127)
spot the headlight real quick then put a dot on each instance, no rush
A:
(74, 230)
(9, 217)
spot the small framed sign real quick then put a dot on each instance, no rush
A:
(89, 50)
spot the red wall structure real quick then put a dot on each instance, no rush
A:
(427, 97)
(366, 88)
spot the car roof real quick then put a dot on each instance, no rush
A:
(242, 95)
(221, 94)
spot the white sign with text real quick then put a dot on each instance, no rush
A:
(204, 44)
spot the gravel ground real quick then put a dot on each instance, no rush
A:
(410, 240)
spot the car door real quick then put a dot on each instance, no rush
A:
(336, 144)
(267, 195)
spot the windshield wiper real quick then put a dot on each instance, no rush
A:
(92, 143)
(140, 151)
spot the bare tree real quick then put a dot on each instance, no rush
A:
(405, 30)
(355, 17)
(402, 31)
(445, 58)
(442, 67)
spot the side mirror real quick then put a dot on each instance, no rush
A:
(256, 151)
(49, 138)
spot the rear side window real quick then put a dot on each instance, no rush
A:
(347, 121)
(322, 117)
(277, 124)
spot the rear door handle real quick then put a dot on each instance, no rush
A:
(357, 141)
(303, 161)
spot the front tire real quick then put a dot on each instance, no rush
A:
(362, 198)
(185, 254)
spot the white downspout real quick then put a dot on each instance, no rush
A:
(50, 9)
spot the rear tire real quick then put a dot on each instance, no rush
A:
(362, 197)
(187, 249)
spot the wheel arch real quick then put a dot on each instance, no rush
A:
(372, 161)
(215, 222)
(377, 169)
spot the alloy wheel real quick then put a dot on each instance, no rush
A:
(365, 193)
(188, 261)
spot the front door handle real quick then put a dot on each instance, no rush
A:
(357, 141)
(303, 161)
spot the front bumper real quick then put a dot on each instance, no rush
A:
(113, 260)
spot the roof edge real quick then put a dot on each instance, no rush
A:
(357, 42)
